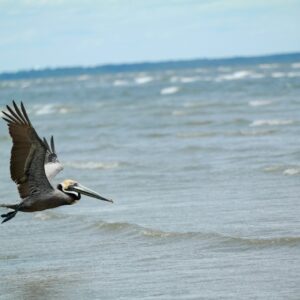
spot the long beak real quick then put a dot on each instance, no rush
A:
(85, 191)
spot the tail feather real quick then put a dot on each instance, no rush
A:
(11, 206)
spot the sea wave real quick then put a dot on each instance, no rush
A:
(46, 109)
(238, 75)
(136, 231)
(188, 79)
(296, 65)
(219, 238)
(288, 170)
(293, 74)
(187, 135)
(83, 77)
(278, 75)
(143, 80)
(273, 122)
(291, 171)
(169, 90)
(259, 103)
(252, 132)
(49, 215)
(92, 165)
(120, 82)
(268, 66)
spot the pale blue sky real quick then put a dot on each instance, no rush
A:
(51, 33)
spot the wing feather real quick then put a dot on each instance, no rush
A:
(52, 164)
(27, 154)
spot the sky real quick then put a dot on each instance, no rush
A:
(60, 33)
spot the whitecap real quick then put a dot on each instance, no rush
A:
(83, 77)
(45, 109)
(259, 102)
(296, 65)
(278, 74)
(143, 80)
(120, 82)
(188, 79)
(273, 168)
(92, 165)
(169, 90)
(268, 66)
(25, 84)
(291, 171)
(274, 122)
(293, 74)
(44, 216)
(238, 75)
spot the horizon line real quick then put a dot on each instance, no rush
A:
(145, 62)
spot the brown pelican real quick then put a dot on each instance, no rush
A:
(33, 165)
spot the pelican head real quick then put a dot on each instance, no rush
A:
(70, 186)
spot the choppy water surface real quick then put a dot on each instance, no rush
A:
(204, 168)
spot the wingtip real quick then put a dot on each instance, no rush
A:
(52, 144)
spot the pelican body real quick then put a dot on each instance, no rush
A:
(33, 165)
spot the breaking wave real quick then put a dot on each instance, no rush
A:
(51, 109)
(238, 75)
(296, 65)
(274, 122)
(283, 169)
(120, 82)
(137, 231)
(143, 80)
(169, 90)
(92, 165)
(259, 102)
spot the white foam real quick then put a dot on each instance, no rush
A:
(51, 109)
(42, 216)
(296, 65)
(120, 82)
(169, 90)
(291, 171)
(277, 74)
(92, 165)
(45, 109)
(25, 84)
(268, 66)
(83, 77)
(259, 102)
(143, 80)
(240, 75)
(293, 74)
(188, 79)
(274, 122)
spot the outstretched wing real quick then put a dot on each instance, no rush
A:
(52, 164)
(27, 154)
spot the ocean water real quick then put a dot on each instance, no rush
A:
(204, 168)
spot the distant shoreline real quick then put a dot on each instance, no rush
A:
(150, 66)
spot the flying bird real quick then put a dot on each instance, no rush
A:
(33, 165)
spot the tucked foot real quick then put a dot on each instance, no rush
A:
(8, 216)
